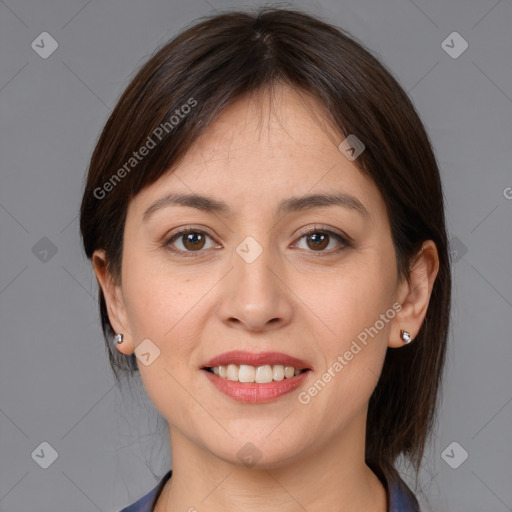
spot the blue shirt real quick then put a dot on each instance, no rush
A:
(400, 497)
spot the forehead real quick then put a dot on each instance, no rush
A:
(283, 125)
(264, 148)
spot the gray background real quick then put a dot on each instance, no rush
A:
(55, 382)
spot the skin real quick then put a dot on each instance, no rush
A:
(291, 299)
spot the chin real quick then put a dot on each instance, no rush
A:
(259, 453)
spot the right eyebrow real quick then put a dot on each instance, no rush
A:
(204, 203)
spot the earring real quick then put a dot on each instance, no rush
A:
(118, 338)
(406, 337)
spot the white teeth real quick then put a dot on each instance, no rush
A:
(289, 372)
(261, 374)
(264, 374)
(278, 372)
(232, 372)
(246, 373)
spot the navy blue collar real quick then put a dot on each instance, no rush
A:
(400, 497)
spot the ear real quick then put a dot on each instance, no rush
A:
(414, 296)
(115, 302)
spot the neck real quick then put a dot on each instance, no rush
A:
(324, 476)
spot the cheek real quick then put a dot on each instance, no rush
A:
(158, 300)
(160, 307)
(354, 314)
(349, 301)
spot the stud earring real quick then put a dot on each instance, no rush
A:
(406, 337)
(118, 338)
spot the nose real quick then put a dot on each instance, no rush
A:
(255, 295)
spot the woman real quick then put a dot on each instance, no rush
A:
(265, 219)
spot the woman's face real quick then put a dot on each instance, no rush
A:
(250, 278)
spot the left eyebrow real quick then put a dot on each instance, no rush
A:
(295, 204)
(292, 204)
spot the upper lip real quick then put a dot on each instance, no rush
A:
(262, 358)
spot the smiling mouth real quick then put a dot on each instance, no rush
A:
(263, 374)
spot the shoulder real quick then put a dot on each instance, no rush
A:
(400, 497)
(147, 502)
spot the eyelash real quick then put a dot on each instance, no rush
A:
(345, 241)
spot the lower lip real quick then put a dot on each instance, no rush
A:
(254, 393)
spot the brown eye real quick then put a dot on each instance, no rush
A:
(187, 241)
(318, 240)
(193, 240)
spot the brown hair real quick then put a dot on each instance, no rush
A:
(216, 61)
